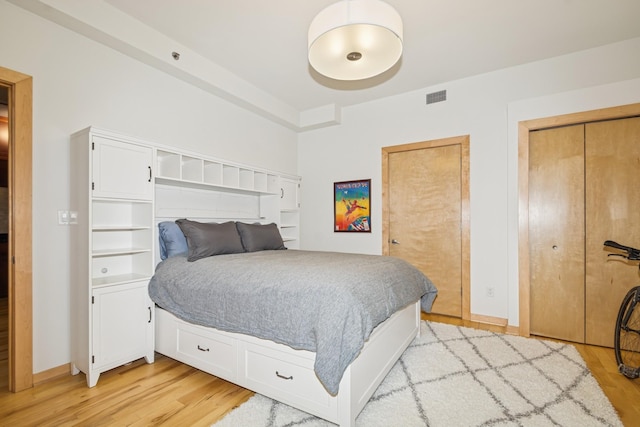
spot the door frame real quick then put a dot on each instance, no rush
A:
(524, 127)
(20, 233)
(465, 268)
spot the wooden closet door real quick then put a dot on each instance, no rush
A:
(556, 232)
(425, 215)
(612, 213)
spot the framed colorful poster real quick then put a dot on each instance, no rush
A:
(352, 206)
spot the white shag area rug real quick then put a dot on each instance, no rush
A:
(456, 376)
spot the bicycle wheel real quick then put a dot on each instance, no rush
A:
(627, 335)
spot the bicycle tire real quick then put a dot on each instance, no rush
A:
(627, 335)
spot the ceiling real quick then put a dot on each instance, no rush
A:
(265, 42)
(262, 44)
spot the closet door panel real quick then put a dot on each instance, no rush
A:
(612, 158)
(556, 232)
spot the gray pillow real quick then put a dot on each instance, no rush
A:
(210, 239)
(259, 237)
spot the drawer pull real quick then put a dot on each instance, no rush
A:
(202, 348)
(283, 377)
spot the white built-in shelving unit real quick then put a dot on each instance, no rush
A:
(112, 252)
(121, 188)
(277, 194)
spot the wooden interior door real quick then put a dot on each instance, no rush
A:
(425, 216)
(556, 232)
(612, 213)
(20, 233)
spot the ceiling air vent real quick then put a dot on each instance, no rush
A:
(436, 97)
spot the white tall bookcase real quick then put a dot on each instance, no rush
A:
(112, 253)
(121, 188)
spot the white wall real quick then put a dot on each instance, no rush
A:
(486, 107)
(78, 83)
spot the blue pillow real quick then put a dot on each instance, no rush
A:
(172, 240)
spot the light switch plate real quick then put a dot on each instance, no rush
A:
(63, 217)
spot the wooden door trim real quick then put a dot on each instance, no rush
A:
(20, 234)
(463, 142)
(524, 128)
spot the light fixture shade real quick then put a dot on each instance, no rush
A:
(355, 39)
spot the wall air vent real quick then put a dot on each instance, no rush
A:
(436, 97)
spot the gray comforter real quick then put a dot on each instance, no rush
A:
(325, 302)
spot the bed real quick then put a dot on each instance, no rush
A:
(318, 331)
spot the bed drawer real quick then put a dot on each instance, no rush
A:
(214, 353)
(284, 376)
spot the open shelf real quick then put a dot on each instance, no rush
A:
(178, 168)
(118, 279)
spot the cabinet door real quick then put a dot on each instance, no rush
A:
(121, 170)
(122, 324)
(289, 194)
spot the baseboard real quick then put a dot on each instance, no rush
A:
(499, 321)
(489, 319)
(49, 374)
(513, 330)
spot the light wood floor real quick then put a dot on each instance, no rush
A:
(170, 393)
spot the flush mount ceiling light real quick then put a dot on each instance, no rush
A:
(355, 39)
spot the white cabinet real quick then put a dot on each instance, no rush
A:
(290, 212)
(122, 319)
(111, 252)
(121, 169)
(289, 194)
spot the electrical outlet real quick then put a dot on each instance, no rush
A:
(490, 292)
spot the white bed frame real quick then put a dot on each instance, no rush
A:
(275, 370)
(284, 374)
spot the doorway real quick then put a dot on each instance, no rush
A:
(20, 313)
(4, 230)
(525, 240)
(425, 215)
